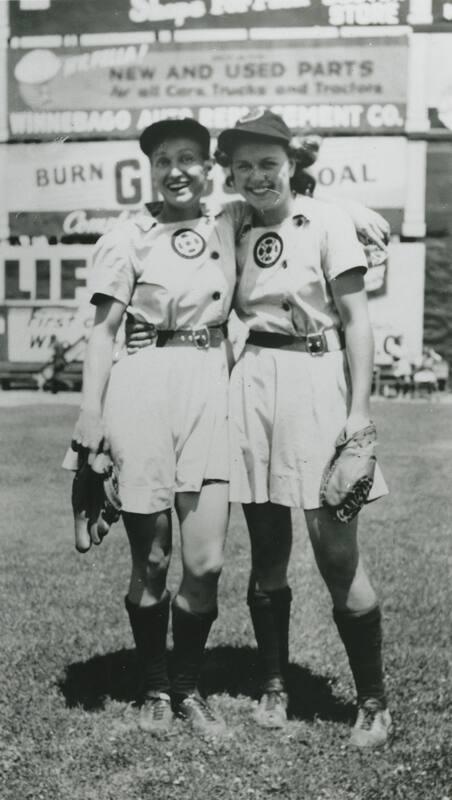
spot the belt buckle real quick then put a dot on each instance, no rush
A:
(316, 344)
(201, 338)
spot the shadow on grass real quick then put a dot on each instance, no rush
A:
(90, 683)
(229, 670)
(235, 671)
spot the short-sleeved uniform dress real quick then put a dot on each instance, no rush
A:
(287, 407)
(165, 409)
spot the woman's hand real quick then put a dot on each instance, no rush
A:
(356, 422)
(139, 334)
(370, 226)
(89, 434)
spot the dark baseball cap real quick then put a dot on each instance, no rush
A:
(260, 122)
(156, 133)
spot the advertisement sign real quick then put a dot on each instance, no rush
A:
(370, 170)
(89, 92)
(73, 189)
(103, 16)
(82, 189)
(45, 275)
(439, 80)
(390, 316)
(43, 297)
(32, 331)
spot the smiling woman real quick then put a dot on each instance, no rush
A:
(299, 389)
(179, 172)
(164, 416)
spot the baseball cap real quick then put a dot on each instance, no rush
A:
(259, 122)
(156, 133)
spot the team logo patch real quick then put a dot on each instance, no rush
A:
(188, 243)
(267, 250)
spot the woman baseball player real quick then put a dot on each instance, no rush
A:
(304, 375)
(164, 417)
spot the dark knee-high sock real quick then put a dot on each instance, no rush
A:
(190, 633)
(270, 614)
(149, 627)
(362, 638)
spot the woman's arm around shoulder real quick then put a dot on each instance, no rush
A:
(370, 225)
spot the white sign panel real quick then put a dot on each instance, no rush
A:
(399, 311)
(371, 170)
(439, 80)
(31, 331)
(61, 177)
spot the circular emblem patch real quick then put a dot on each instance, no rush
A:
(188, 243)
(267, 250)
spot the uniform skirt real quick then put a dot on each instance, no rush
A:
(286, 410)
(166, 421)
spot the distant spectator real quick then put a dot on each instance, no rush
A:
(402, 367)
(57, 366)
(433, 372)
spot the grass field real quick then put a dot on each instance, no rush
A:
(67, 722)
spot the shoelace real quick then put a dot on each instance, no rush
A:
(274, 699)
(199, 704)
(370, 709)
(159, 707)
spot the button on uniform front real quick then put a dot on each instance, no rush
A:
(216, 295)
(215, 255)
(285, 306)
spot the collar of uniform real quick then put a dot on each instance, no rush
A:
(149, 218)
(301, 212)
(302, 207)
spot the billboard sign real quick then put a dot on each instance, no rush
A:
(81, 189)
(104, 16)
(100, 92)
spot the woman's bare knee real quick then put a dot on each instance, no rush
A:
(150, 545)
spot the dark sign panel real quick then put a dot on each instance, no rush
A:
(103, 16)
(442, 13)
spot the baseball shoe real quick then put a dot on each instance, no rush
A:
(197, 712)
(272, 709)
(373, 726)
(156, 715)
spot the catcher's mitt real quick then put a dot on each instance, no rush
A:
(95, 501)
(348, 478)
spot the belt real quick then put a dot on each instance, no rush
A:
(316, 344)
(201, 338)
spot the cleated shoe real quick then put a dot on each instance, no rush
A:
(373, 726)
(200, 716)
(156, 716)
(272, 709)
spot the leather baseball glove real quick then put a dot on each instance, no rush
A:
(348, 477)
(95, 501)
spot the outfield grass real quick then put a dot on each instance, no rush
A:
(67, 723)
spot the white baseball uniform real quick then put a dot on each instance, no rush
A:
(166, 407)
(288, 407)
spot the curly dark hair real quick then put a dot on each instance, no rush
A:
(303, 150)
